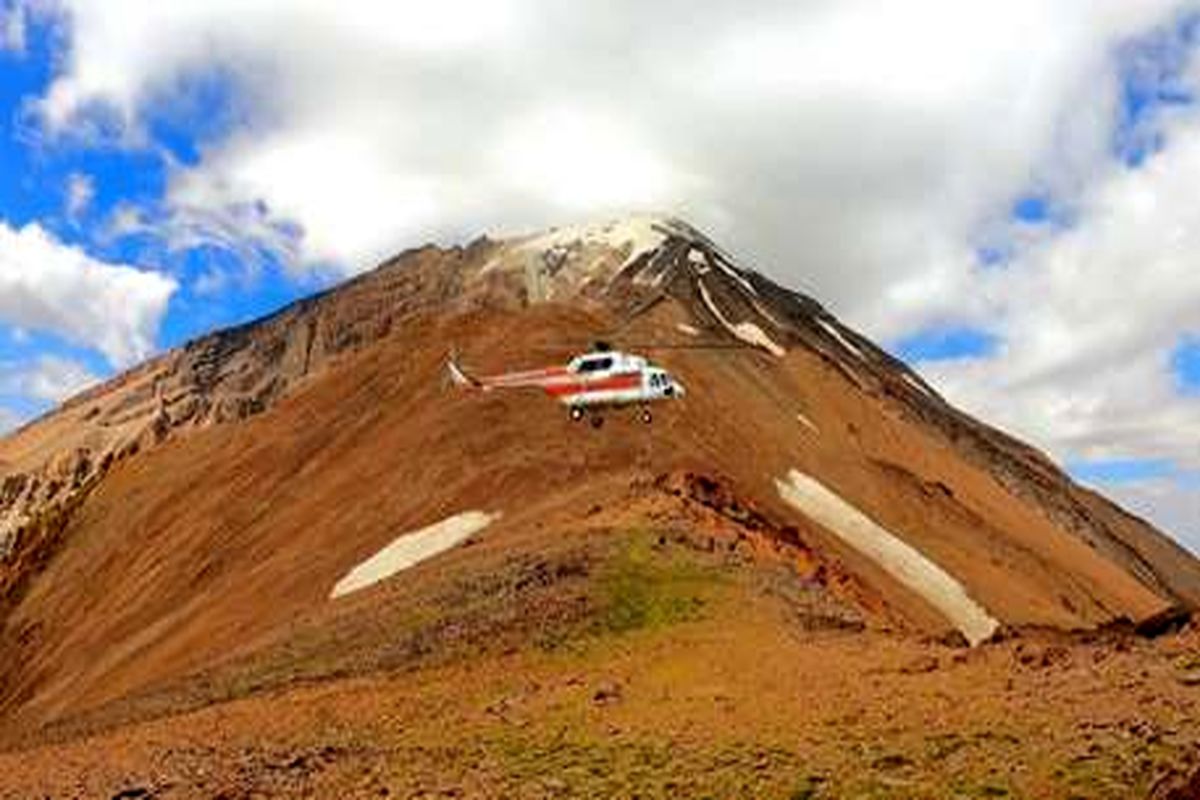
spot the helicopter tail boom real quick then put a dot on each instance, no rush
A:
(461, 377)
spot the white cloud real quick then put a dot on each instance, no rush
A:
(49, 378)
(80, 191)
(581, 161)
(46, 285)
(840, 145)
(124, 220)
(12, 28)
(1090, 317)
(1172, 506)
(860, 150)
(128, 53)
(9, 420)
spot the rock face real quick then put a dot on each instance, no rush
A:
(794, 389)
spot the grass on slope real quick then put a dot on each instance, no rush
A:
(567, 601)
(641, 584)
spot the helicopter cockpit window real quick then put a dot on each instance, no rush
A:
(595, 365)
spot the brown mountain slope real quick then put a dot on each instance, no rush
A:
(175, 535)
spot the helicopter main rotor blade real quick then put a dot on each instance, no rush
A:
(575, 346)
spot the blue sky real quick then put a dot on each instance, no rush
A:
(1185, 362)
(1001, 194)
(1152, 74)
(944, 343)
(38, 173)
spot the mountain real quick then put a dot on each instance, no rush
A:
(172, 540)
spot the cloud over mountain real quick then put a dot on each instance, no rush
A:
(48, 286)
(1018, 169)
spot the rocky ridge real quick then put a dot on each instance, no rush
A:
(626, 267)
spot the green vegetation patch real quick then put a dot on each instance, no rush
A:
(1189, 661)
(590, 766)
(1119, 765)
(644, 586)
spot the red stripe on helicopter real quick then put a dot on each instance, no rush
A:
(533, 377)
(629, 380)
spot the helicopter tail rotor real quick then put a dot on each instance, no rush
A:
(459, 376)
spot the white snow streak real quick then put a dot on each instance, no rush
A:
(413, 548)
(899, 559)
(752, 334)
(916, 384)
(770, 317)
(748, 332)
(836, 334)
(733, 273)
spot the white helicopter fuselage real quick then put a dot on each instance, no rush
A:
(611, 378)
(596, 379)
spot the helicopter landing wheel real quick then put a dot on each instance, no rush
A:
(597, 421)
(576, 413)
(646, 417)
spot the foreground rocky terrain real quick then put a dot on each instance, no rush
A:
(810, 577)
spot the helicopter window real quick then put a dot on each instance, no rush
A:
(595, 365)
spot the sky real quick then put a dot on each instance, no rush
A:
(1002, 193)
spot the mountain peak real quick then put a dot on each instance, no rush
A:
(647, 274)
(183, 519)
(614, 231)
(562, 261)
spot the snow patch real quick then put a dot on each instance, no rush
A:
(535, 282)
(653, 273)
(836, 334)
(916, 384)
(703, 263)
(584, 253)
(767, 314)
(413, 548)
(641, 233)
(719, 257)
(752, 334)
(899, 559)
(737, 276)
(748, 332)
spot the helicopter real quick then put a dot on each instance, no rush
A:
(599, 379)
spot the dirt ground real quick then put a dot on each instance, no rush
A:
(647, 616)
(680, 678)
